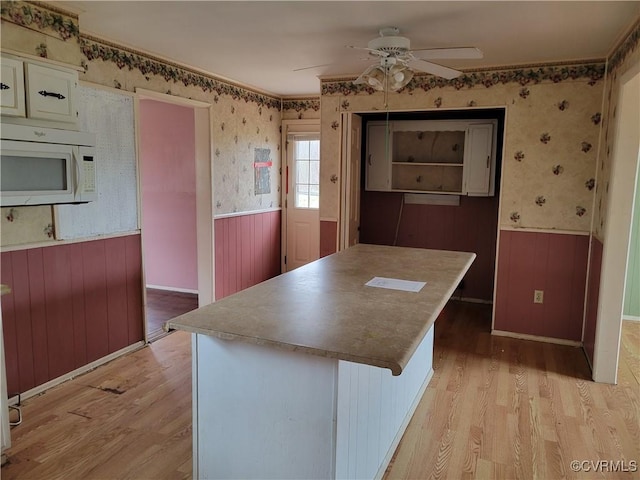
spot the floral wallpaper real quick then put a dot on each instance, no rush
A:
(244, 120)
(554, 162)
(20, 225)
(552, 123)
(53, 33)
(623, 58)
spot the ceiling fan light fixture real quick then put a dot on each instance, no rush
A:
(374, 77)
(399, 77)
(380, 77)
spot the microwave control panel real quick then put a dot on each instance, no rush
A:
(87, 188)
(89, 174)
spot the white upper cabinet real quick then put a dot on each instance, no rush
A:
(12, 88)
(479, 162)
(432, 156)
(51, 93)
(38, 93)
(377, 158)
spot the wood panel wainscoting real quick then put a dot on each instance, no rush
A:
(496, 407)
(470, 226)
(555, 263)
(70, 305)
(247, 250)
(328, 237)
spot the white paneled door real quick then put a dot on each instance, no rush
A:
(303, 200)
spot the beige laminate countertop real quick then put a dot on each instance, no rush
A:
(325, 309)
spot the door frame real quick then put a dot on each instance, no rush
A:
(617, 238)
(346, 192)
(204, 190)
(301, 127)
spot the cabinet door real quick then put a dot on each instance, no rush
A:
(378, 168)
(12, 89)
(478, 160)
(51, 93)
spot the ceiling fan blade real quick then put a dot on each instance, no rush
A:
(454, 53)
(313, 66)
(372, 51)
(343, 63)
(434, 69)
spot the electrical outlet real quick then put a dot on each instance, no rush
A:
(538, 296)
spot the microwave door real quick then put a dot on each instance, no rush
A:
(35, 174)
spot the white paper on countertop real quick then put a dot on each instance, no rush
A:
(396, 284)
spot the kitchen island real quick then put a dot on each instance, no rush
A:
(313, 374)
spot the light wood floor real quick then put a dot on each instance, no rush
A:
(495, 408)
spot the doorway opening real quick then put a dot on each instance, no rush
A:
(617, 235)
(422, 220)
(175, 208)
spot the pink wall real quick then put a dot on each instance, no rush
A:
(471, 226)
(167, 153)
(69, 305)
(593, 294)
(554, 263)
(247, 251)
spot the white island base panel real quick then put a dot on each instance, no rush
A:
(266, 413)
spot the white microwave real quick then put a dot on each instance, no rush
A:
(42, 166)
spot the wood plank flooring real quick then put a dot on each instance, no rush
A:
(163, 305)
(495, 408)
(504, 408)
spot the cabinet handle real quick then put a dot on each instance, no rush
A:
(369, 160)
(488, 161)
(4, 86)
(59, 96)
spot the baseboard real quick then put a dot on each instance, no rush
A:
(631, 318)
(78, 371)
(172, 289)
(536, 338)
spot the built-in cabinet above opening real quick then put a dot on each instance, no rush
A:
(432, 156)
(38, 93)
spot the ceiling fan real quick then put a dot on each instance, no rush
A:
(397, 62)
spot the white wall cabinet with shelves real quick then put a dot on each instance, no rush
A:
(37, 93)
(427, 156)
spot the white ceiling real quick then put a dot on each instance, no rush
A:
(260, 44)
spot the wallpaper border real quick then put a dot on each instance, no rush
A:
(484, 77)
(625, 47)
(95, 48)
(300, 104)
(43, 18)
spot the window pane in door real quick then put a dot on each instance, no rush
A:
(302, 171)
(307, 175)
(302, 149)
(302, 196)
(314, 196)
(314, 172)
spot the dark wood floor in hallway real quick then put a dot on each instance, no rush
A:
(163, 305)
(496, 408)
